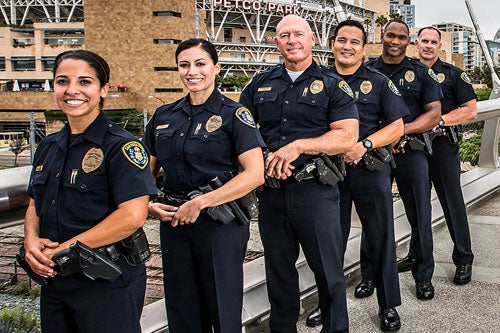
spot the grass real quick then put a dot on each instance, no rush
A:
(18, 320)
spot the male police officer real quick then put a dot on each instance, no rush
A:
(368, 180)
(422, 94)
(459, 105)
(305, 113)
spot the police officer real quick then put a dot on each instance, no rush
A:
(368, 179)
(422, 94)
(302, 110)
(202, 136)
(90, 183)
(458, 106)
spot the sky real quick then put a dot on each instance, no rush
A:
(487, 12)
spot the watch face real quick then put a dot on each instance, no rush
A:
(367, 143)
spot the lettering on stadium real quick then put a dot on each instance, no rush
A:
(259, 6)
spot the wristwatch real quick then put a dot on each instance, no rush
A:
(367, 144)
(441, 122)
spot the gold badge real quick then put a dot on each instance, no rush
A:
(264, 89)
(39, 168)
(213, 123)
(409, 76)
(441, 77)
(365, 87)
(92, 160)
(159, 127)
(316, 87)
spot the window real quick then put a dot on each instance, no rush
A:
(165, 69)
(48, 64)
(166, 41)
(177, 90)
(175, 14)
(2, 64)
(23, 63)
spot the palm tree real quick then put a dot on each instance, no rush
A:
(395, 16)
(381, 21)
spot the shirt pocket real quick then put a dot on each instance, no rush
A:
(87, 197)
(208, 147)
(38, 185)
(320, 100)
(165, 143)
(266, 107)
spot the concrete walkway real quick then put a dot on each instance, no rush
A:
(471, 308)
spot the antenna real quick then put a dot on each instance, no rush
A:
(495, 93)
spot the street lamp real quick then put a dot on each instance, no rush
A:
(162, 101)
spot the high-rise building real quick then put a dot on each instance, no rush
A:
(463, 41)
(405, 9)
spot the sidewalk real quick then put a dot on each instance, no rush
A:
(470, 308)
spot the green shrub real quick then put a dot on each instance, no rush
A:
(18, 320)
(469, 149)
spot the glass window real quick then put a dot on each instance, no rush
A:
(2, 63)
(48, 64)
(175, 14)
(165, 69)
(177, 90)
(166, 41)
(23, 64)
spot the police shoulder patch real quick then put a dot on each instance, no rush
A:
(393, 88)
(245, 116)
(344, 86)
(466, 78)
(433, 75)
(136, 154)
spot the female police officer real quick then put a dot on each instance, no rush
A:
(90, 183)
(202, 136)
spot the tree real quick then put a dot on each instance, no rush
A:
(395, 16)
(482, 75)
(17, 146)
(381, 21)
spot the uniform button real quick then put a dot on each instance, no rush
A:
(291, 86)
(57, 175)
(286, 102)
(285, 120)
(313, 101)
(261, 99)
(189, 118)
(178, 154)
(83, 186)
(110, 125)
(53, 202)
(205, 136)
(283, 138)
(182, 134)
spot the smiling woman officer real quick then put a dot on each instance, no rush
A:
(90, 185)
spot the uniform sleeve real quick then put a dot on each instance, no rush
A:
(431, 89)
(246, 98)
(463, 90)
(391, 103)
(129, 173)
(245, 134)
(148, 139)
(342, 102)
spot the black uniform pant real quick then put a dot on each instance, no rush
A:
(74, 304)
(203, 275)
(371, 192)
(444, 171)
(303, 214)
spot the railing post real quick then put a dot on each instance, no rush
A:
(488, 155)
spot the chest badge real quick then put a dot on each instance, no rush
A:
(39, 168)
(366, 87)
(136, 154)
(213, 123)
(409, 76)
(441, 77)
(316, 87)
(245, 116)
(92, 160)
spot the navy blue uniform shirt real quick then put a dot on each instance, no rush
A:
(456, 86)
(378, 100)
(287, 111)
(195, 144)
(416, 82)
(79, 182)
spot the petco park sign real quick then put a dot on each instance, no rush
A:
(278, 8)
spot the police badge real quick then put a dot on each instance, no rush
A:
(92, 160)
(365, 87)
(136, 154)
(409, 76)
(213, 123)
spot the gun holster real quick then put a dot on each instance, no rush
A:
(80, 258)
(375, 159)
(135, 248)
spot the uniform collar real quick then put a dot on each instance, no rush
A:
(94, 133)
(406, 63)
(438, 66)
(312, 70)
(213, 103)
(360, 73)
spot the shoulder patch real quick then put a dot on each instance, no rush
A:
(245, 116)
(433, 75)
(393, 88)
(136, 154)
(466, 78)
(344, 86)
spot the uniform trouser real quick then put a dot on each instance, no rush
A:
(303, 214)
(444, 172)
(371, 192)
(203, 275)
(74, 304)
